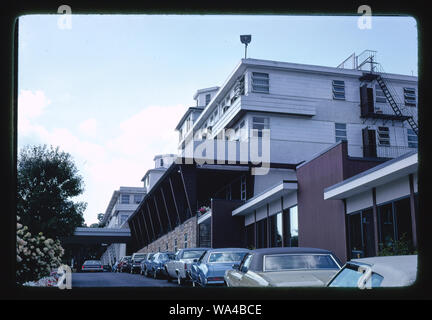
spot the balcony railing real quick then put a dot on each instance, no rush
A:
(378, 151)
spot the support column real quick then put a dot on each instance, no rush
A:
(375, 219)
(413, 210)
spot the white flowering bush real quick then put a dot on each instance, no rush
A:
(37, 256)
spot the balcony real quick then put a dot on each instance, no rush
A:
(378, 151)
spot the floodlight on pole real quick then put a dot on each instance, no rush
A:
(245, 39)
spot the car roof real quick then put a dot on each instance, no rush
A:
(228, 250)
(396, 270)
(257, 260)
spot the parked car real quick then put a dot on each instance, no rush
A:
(124, 265)
(157, 264)
(145, 264)
(210, 268)
(92, 266)
(284, 267)
(179, 268)
(136, 261)
(388, 271)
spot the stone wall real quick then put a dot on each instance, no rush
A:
(189, 227)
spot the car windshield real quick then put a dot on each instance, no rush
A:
(92, 262)
(225, 257)
(349, 277)
(193, 254)
(296, 262)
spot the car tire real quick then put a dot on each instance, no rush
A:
(193, 284)
(146, 273)
(155, 275)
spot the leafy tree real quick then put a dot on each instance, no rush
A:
(47, 179)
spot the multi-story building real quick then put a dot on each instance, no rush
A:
(302, 110)
(122, 204)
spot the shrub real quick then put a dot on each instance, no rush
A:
(36, 255)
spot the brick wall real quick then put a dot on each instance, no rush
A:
(189, 227)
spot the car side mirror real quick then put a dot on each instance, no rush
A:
(236, 266)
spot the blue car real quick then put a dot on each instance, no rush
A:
(210, 268)
(156, 267)
(146, 263)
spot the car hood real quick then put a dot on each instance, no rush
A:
(311, 278)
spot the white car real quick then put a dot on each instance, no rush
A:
(387, 271)
(179, 268)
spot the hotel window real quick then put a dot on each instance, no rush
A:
(175, 245)
(185, 240)
(340, 131)
(261, 233)
(338, 90)
(260, 82)
(259, 123)
(412, 139)
(207, 99)
(379, 95)
(243, 188)
(137, 198)
(410, 97)
(124, 199)
(383, 136)
(166, 246)
(290, 227)
(161, 162)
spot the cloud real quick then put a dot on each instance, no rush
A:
(107, 165)
(89, 127)
(30, 106)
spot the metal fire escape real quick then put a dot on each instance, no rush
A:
(375, 72)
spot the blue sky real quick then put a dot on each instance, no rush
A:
(111, 89)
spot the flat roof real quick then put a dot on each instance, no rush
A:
(270, 194)
(376, 176)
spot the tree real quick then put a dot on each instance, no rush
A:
(47, 179)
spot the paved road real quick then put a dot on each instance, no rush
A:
(111, 279)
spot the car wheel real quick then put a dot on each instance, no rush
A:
(155, 275)
(193, 283)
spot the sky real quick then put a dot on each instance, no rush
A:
(110, 89)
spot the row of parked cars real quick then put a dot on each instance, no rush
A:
(274, 267)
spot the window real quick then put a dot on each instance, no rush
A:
(295, 262)
(410, 97)
(259, 124)
(137, 198)
(262, 233)
(161, 162)
(166, 246)
(276, 230)
(379, 95)
(350, 276)
(290, 227)
(207, 99)
(340, 130)
(185, 240)
(260, 82)
(224, 257)
(412, 139)
(175, 245)
(243, 188)
(338, 90)
(383, 136)
(124, 199)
